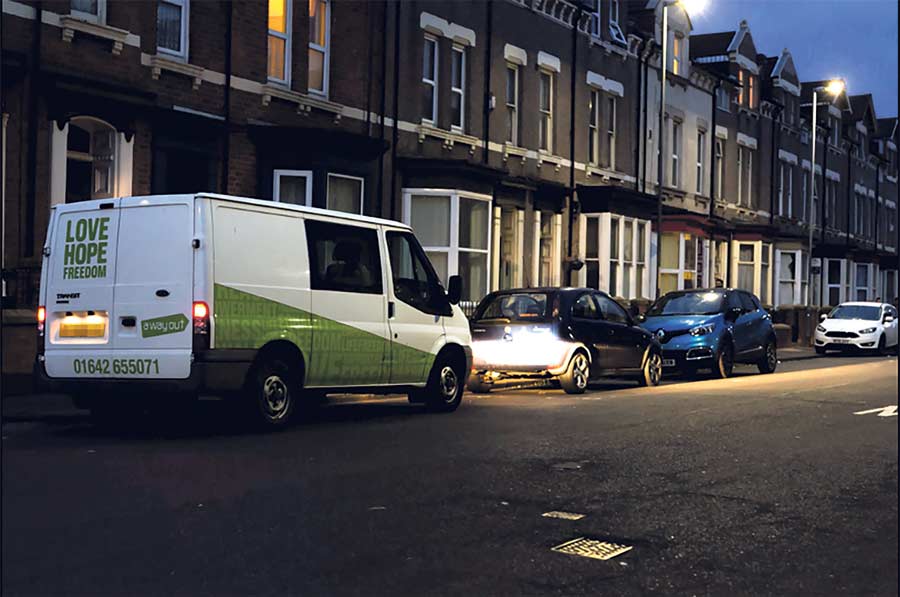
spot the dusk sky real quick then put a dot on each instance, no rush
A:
(853, 39)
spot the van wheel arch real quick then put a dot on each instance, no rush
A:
(286, 350)
(453, 351)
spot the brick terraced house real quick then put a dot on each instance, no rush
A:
(518, 137)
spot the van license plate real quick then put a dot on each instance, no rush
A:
(668, 362)
(82, 330)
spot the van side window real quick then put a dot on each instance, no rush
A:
(415, 282)
(343, 258)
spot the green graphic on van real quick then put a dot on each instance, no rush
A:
(85, 253)
(336, 354)
(160, 326)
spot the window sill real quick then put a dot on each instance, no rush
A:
(545, 156)
(70, 25)
(448, 138)
(305, 103)
(159, 63)
(514, 150)
(607, 174)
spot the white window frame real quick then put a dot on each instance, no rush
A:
(798, 283)
(595, 17)
(684, 273)
(606, 261)
(867, 289)
(286, 36)
(594, 127)
(114, 168)
(433, 82)
(513, 133)
(723, 94)
(546, 145)
(276, 183)
(555, 240)
(612, 116)
(759, 247)
(615, 30)
(720, 166)
(828, 284)
(453, 250)
(675, 144)
(701, 161)
(99, 18)
(362, 190)
(326, 54)
(185, 6)
(460, 91)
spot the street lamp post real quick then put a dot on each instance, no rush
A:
(687, 6)
(833, 88)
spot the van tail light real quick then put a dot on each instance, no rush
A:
(200, 311)
(41, 320)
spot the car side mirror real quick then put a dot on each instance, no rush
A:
(888, 318)
(733, 313)
(454, 289)
(823, 316)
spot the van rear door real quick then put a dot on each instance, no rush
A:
(129, 309)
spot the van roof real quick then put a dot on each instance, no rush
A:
(245, 200)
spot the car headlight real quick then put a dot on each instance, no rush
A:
(820, 328)
(702, 330)
(867, 331)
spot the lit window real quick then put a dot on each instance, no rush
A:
(741, 94)
(279, 67)
(677, 51)
(429, 81)
(172, 27)
(319, 39)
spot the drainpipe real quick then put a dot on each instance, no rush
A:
(226, 145)
(850, 192)
(395, 137)
(824, 181)
(369, 70)
(877, 194)
(487, 82)
(637, 127)
(573, 204)
(379, 198)
(712, 159)
(642, 142)
(31, 198)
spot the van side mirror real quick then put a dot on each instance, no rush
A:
(823, 316)
(454, 289)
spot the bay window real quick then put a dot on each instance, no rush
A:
(791, 269)
(511, 222)
(549, 248)
(454, 229)
(746, 266)
(834, 273)
(863, 277)
(618, 265)
(677, 261)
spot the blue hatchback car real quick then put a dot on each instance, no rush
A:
(712, 329)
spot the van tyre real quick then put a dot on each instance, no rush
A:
(769, 360)
(575, 379)
(724, 364)
(273, 393)
(651, 373)
(446, 382)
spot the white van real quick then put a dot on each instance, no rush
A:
(215, 294)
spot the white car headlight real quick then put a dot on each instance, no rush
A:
(702, 330)
(820, 328)
(868, 331)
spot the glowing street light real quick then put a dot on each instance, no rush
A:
(833, 88)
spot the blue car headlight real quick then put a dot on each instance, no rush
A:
(702, 330)
(867, 331)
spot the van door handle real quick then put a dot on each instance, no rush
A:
(390, 309)
(162, 292)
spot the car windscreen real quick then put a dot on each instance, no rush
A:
(691, 303)
(518, 306)
(866, 312)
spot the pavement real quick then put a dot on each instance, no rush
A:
(782, 484)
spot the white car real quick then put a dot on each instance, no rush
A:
(858, 325)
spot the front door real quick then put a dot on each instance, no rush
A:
(624, 340)
(416, 303)
(350, 342)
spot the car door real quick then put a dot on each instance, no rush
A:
(587, 328)
(416, 304)
(890, 329)
(623, 340)
(739, 323)
(758, 321)
(747, 343)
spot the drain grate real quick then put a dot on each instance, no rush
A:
(592, 548)
(563, 515)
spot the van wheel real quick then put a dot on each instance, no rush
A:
(652, 371)
(769, 361)
(446, 382)
(724, 362)
(575, 379)
(273, 392)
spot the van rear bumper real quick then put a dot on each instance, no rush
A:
(212, 371)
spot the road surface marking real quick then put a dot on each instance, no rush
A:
(884, 411)
(592, 548)
(563, 515)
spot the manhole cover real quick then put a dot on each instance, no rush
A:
(592, 548)
(563, 515)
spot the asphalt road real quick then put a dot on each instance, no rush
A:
(749, 486)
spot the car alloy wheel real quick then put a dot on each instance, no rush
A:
(724, 363)
(580, 371)
(652, 370)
